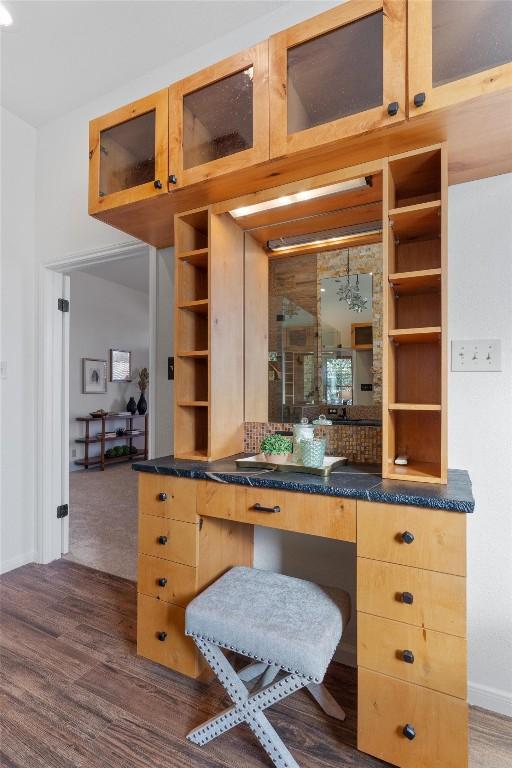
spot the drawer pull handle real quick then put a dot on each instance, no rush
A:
(409, 732)
(162, 582)
(419, 99)
(260, 508)
(162, 539)
(408, 657)
(407, 537)
(162, 497)
(407, 597)
(161, 636)
(393, 108)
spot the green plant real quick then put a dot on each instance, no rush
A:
(143, 379)
(276, 444)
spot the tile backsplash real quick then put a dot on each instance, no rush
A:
(360, 444)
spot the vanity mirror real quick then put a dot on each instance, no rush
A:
(325, 335)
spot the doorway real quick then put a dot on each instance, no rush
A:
(93, 503)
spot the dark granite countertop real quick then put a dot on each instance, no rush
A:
(356, 481)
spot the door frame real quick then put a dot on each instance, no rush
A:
(52, 417)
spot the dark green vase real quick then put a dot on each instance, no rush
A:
(142, 405)
(131, 406)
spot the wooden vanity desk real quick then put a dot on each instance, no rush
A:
(197, 520)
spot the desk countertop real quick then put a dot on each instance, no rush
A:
(361, 481)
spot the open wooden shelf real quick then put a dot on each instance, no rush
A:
(193, 403)
(414, 237)
(416, 335)
(416, 471)
(200, 306)
(416, 222)
(192, 455)
(417, 281)
(96, 460)
(193, 353)
(414, 407)
(197, 257)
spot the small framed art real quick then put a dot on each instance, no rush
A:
(94, 376)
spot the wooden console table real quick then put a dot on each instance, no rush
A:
(99, 438)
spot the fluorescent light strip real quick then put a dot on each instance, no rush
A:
(327, 237)
(299, 197)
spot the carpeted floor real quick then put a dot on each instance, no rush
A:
(103, 520)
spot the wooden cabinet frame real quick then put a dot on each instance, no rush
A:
(419, 25)
(156, 101)
(257, 56)
(394, 46)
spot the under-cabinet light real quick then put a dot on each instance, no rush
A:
(327, 237)
(299, 197)
(5, 16)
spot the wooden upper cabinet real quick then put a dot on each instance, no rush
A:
(218, 118)
(457, 51)
(339, 74)
(128, 153)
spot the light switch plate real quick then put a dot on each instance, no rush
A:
(476, 355)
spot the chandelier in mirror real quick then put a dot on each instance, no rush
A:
(351, 293)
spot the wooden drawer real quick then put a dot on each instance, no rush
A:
(170, 539)
(174, 650)
(180, 579)
(438, 660)
(386, 706)
(326, 516)
(439, 537)
(180, 497)
(438, 599)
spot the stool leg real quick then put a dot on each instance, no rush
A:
(327, 702)
(247, 708)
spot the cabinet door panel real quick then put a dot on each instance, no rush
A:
(335, 75)
(457, 51)
(128, 153)
(218, 118)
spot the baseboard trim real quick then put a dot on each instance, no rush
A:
(17, 562)
(494, 699)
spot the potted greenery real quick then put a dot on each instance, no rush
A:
(277, 449)
(142, 405)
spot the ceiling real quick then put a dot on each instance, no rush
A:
(60, 55)
(132, 272)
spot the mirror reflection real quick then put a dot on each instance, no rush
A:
(325, 335)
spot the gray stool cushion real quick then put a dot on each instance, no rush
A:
(278, 619)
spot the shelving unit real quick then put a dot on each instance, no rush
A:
(100, 439)
(414, 393)
(208, 336)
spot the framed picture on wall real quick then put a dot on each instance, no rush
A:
(94, 376)
(120, 365)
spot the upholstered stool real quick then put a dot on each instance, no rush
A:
(289, 627)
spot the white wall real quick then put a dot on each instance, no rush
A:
(104, 315)
(480, 424)
(18, 390)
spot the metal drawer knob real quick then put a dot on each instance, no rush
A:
(409, 732)
(157, 184)
(407, 597)
(393, 108)
(407, 537)
(162, 539)
(408, 657)
(419, 99)
(162, 497)
(161, 636)
(162, 582)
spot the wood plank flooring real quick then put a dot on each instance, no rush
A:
(73, 693)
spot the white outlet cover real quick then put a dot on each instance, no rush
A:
(476, 355)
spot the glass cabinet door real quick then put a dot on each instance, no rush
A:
(128, 153)
(218, 118)
(458, 49)
(338, 74)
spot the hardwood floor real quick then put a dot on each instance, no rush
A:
(73, 693)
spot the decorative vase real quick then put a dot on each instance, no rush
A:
(278, 458)
(142, 405)
(131, 406)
